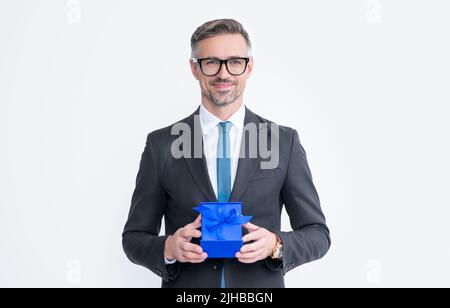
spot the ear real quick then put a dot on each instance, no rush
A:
(251, 63)
(194, 69)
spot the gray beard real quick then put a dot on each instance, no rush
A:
(230, 99)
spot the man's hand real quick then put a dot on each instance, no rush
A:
(265, 241)
(178, 246)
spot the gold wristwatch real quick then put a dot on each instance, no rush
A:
(277, 250)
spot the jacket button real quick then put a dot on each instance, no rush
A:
(217, 266)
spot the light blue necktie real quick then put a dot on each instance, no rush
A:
(223, 171)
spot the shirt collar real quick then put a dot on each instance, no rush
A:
(209, 121)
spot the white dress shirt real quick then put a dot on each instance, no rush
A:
(210, 131)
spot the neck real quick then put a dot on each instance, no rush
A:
(222, 112)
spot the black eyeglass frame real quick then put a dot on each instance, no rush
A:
(199, 61)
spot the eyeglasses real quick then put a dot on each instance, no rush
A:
(211, 66)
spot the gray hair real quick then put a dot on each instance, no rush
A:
(217, 27)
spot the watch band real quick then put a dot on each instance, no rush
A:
(276, 250)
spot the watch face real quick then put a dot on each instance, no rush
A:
(278, 252)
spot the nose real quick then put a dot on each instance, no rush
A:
(223, 72)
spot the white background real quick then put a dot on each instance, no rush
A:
(366, 84)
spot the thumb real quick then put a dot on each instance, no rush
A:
(197, 222)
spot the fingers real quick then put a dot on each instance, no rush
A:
(193, 256)
(250, 251)
(249, 261)
(254, 236)
(251, 227)
(189, 252)
(251, 247)
(190, 233)
(259, 249)
(249, 257)
(194, 261)
(186, 251)
(189, 247)
(197, 223)
(190, 230)
(192, 253)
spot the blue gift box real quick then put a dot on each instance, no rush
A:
(221, 228)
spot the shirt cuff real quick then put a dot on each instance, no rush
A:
(169, 261)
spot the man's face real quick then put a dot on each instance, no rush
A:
(223, 88)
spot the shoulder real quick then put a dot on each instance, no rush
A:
(163, 137)
(285, 133)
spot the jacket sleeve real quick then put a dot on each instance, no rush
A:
(140, 239)
(310, 238)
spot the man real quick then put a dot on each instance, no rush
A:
(170, 186)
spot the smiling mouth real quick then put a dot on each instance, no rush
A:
(223, 85)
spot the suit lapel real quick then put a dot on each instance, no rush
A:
(197, 165)
(246, 164)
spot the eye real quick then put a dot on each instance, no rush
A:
(211, 62)
(236, 62)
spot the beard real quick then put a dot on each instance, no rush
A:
(222, 99)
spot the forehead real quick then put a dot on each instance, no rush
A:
(222, 46)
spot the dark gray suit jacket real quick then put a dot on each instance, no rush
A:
(170, 187)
